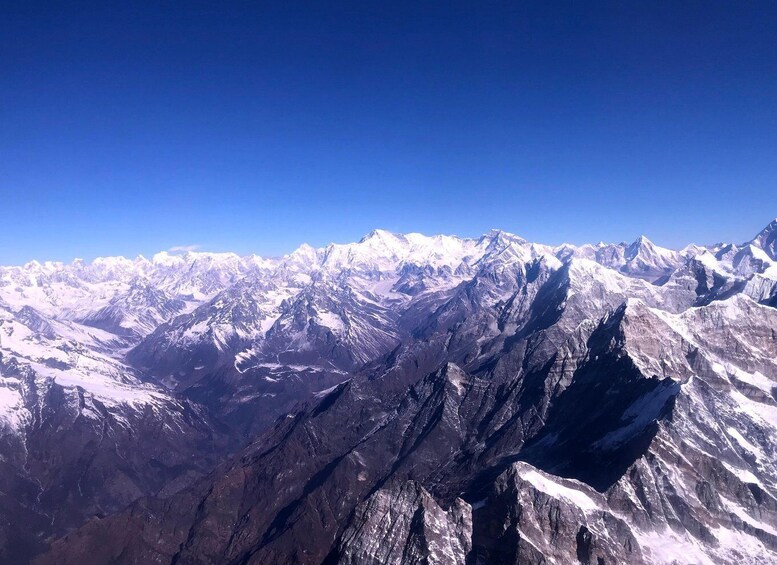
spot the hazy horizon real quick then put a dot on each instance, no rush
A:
(178, 250)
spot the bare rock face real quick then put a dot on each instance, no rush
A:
(407, 400)
(406, 525)
(529, 516)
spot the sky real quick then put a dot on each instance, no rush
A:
(133, 127)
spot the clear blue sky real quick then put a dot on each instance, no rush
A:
(252, 126)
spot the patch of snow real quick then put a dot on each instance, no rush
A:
(331, 320)
(742, 514)
(668, 547)
(325, 392)
(13, 413)
(743, 474)
(556, 489)
(743, 442)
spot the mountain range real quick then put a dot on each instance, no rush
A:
(404, 399)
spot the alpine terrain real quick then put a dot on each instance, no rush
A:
(401, 400)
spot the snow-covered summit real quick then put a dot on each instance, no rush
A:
(767, 239)
(80, 289)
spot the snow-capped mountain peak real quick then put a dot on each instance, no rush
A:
(767, 239)
(414, 348)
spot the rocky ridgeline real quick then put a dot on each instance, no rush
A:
(403, 399)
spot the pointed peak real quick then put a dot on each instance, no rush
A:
(379, 234)
(642, 241)
(304, 250)
(305, 254)
(496, 232)
(770, 228)
(767, 239)
(501, 236)
(693, 248)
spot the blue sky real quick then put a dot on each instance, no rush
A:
(128, 129)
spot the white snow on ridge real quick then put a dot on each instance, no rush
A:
(13, 413)
(375, 268)
(555, 488)
(73, 356)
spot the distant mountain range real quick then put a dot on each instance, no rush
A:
(404, 399)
